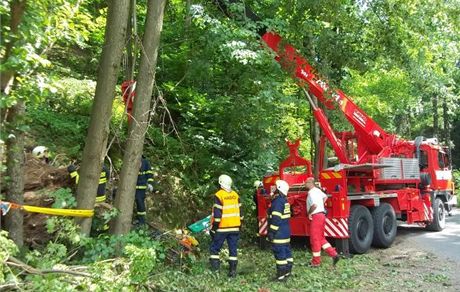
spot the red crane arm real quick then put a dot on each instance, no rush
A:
(368, 130)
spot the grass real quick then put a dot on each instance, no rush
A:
(256, 270)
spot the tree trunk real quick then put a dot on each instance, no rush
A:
(434, 101)
(15, 173)
(15, 142)
(125, 194)
(96, 140)
(17, 11)
(131, 40)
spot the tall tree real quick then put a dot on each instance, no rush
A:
(138, 127)
(17, 11)
(96, 140)
(15, 142)
(15, 166)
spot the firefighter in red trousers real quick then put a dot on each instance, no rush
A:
(279, 232)
(226, 220)
(317, 215)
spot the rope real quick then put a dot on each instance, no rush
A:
(6, 206)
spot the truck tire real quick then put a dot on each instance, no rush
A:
(439, 216)
(384, 225)
(361, 228)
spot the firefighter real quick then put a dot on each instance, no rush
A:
(317, 216)
(259, 187)
(103, 178)
(41, 153)
(144, 183)
(279, 231)
(226, 220)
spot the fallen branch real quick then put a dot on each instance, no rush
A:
(9, 285)
(12, 261)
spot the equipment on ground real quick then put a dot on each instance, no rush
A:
(200, 225)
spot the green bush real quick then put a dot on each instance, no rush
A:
(7, 248)
(61, 132)
(107, 246)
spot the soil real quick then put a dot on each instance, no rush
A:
(406, 267)
(40, 175)
(40, 180)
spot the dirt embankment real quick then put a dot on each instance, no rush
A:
(40, 180)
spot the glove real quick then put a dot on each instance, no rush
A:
(150, 187)
(214, 228)
(71, 168)
(270, 236)
(212, 233)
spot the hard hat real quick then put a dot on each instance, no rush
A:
(258, 184)
(71, 168)
(39, 151)
(225, 182)
(282, 186)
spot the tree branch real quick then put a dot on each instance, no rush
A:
(12, 261)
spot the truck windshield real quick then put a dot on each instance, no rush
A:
(443, 160)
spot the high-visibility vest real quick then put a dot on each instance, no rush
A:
(230, 209)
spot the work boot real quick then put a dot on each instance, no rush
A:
(232, 269)
(288, 271)
(215, 265)
(280, 275)
(335, 260)
(140, 220)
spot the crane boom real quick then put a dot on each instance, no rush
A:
(366, 128)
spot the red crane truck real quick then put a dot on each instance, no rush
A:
(380, 178)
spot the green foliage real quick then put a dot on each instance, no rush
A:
(7, 248)
(436, 278)
(106, 246)
(388, 97)
(142, 260)
(64, 133)
(64, 229)
(256, 270)
(456, 178)
(63, 199)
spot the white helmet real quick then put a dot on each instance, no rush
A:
(258, 184)
(39, 151)
(282, 186)
(225, 182)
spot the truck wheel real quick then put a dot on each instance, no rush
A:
(439, 216)
(361, 229)
(384, 225)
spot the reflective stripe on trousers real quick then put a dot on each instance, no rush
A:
(232, 242)
(283, 256)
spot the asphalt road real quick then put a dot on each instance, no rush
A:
(445, 244)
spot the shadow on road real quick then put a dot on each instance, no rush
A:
(445, 243)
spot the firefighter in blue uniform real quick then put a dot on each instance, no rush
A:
(104, 177)
(144, 183)
(279, 232)
(226, 220)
